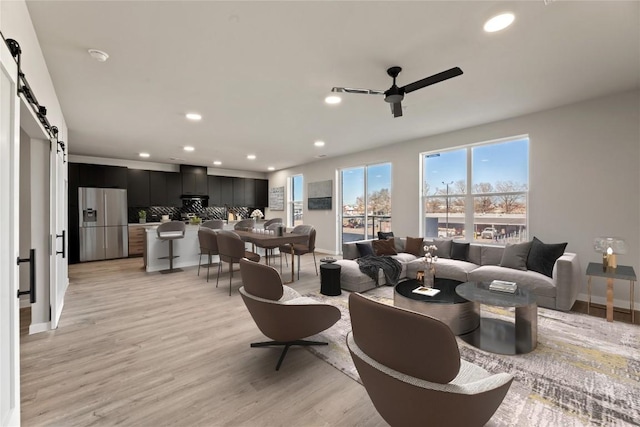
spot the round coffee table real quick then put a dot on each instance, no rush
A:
(499, 335)
(447, 306)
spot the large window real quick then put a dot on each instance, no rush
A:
(366, 201)
(478, 192)
(295, 201)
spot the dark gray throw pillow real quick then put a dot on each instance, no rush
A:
(515, 256)
(543, 256)
(365, 249)
(384, 236)
(460, 251)
(444, 248)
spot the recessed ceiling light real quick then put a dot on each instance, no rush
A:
(145, 155)
(193, 116)
(188, 148)
(217, 162)
(499, 22)
(319, 143)
(271, 168)
(251, 157)
(98, 55)
(333, 99)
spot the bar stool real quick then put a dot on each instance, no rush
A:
(171, 231)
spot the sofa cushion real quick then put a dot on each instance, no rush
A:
(365, 249)
(536, 283)
(542, 257)
(384, 236)
(384, 247)
(491, 255)
(515, 256)
(444, 248)
(450, 269)
(352, 278)
(460, 251)
(414, 246)
(475, 254)
(404, 257)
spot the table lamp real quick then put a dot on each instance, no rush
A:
(609, 246)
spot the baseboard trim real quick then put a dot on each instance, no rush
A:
(36, 328)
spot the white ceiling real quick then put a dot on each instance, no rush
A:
(258, 72)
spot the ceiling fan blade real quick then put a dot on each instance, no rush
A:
(436, 78)
(396, 109)
(358, 91)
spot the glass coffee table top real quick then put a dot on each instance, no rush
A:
(479, 292)
(447, 294)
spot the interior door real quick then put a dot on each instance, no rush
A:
(9, 245)
(59, 260)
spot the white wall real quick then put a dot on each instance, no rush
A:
(15, 23)
(584, 178)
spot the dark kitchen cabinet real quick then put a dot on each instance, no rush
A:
(238, 191)
(262, 193)
(138, 188)
(249, 192)
(194, 180)
(226, 191)
(101, 176)
(157, 188)
(174, 189)
(214, 190)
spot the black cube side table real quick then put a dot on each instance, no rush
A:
(330, 279)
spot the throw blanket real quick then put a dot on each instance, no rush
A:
(370, 264)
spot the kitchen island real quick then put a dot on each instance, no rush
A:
(187, 249)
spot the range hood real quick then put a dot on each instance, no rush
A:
(194, 197)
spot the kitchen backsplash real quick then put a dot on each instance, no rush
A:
(154, 213)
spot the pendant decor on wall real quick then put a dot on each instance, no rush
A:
(319, 195)
(276, 199)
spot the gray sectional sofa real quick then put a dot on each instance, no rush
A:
(483, 264)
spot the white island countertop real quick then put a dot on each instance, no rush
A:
(187, 249)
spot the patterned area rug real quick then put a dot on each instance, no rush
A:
(584, 371)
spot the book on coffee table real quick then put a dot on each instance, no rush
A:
(426, 291)
(503, 286)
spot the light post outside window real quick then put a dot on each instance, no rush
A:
(447, 204)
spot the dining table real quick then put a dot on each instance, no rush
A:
(266, 240)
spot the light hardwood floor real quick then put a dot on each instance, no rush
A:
(140, 349)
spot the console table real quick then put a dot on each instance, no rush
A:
(622, 272)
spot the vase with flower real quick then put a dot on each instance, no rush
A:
(257, 213)
(429, 261)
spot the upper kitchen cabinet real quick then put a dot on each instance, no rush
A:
(101, 176)
(194, 180)
(174, 189)
(157, 188)
(138, 188)
(262, 193)
(238, 192)
(226, 190)
(214, 190)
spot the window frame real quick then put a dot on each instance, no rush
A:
(470, 233)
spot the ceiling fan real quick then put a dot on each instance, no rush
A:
(394, 95)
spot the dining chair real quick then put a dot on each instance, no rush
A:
(232, 250)
(303, 248)
(208, 241)
(214, 224)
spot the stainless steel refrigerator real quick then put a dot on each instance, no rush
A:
(103, 223)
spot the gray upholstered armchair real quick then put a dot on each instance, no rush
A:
(410, 365)
(279, 311)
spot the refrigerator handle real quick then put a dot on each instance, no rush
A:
(106, 220)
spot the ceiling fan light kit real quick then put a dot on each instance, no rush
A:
(394, 95)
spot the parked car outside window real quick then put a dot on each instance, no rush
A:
(489, 233)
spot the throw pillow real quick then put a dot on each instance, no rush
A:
(365, 249)
(384, 236)
(515, 256)
(414, 246)
(543, 256)
(460, 251)
(444, 247)
(384, 247)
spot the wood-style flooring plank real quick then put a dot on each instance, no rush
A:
(139, 349)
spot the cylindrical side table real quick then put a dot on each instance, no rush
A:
(330, 279)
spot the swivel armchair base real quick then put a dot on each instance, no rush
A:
(303, 343)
